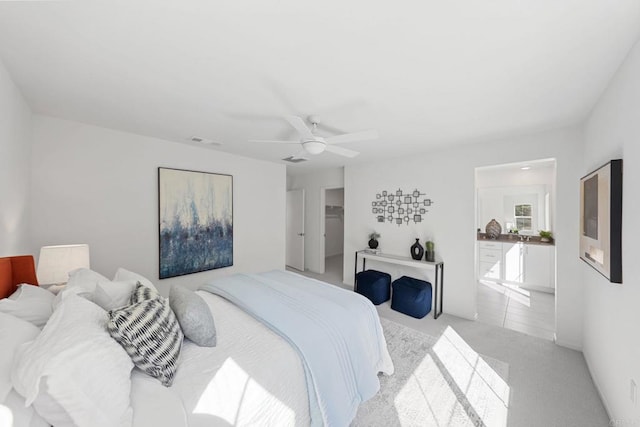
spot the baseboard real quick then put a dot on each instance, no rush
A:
(567, 344)
(598, 389)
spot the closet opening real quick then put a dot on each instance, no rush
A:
(332, 221)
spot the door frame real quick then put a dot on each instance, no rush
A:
(549, 216)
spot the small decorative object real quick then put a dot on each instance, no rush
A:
(545, 236)
(417, 250)
(400, 208)
(493, 229)
(373, 240)
(601, 220)
(430, 252)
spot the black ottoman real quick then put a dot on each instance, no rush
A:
(411, 296)
(374, 285)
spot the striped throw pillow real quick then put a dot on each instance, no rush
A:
(150, 334)
(142, 293)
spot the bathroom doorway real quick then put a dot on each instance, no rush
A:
(515, 263)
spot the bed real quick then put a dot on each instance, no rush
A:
(267, 366)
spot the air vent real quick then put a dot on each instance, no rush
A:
(203, 141)
(293, 159)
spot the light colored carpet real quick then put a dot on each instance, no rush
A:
(437, 382)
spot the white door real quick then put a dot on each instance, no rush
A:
(295, 229)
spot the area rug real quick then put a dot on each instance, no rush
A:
(438, 381)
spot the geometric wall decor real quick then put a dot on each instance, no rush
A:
(195, 211)
(400, 208)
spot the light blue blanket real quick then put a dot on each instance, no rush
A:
(336, 332)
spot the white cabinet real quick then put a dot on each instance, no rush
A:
(490, 260)
(513, 262)
(520, 263)
(538, 265)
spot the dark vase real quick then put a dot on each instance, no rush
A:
(417, 251)
(373, 243)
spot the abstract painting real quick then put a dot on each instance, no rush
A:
(196, 221)
(601, 220)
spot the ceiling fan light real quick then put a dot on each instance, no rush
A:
(314, 147)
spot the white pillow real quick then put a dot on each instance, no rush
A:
(13, 333)
(75, 363)
(98, 289)
(126, 275)
(112, 295)
(30, 303)
(21, 416)
(85, 278)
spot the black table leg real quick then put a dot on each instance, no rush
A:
(439, 290)
(355, 273)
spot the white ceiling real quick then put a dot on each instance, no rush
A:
(423, 73)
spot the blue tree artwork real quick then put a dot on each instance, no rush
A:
(196, 221)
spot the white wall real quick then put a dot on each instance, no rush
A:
(314, 183)
(495, 183)
(15, 162)
(448, 177)
(612, 311)
(100, 186)
(498, 203)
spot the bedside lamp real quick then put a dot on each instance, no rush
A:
(55, 262)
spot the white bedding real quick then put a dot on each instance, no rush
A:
(252, 377)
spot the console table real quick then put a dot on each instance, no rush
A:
(437, 267)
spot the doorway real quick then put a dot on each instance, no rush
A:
(516, 274)
(295, 229)
(332, 214)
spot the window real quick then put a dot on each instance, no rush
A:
(522, 214)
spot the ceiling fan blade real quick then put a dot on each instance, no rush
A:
(300, 126)
(301, 155)
(274, 141)
(341, 151)
(352, 137)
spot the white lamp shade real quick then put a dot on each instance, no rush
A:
(55, 262)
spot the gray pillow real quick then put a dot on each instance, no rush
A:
(193, 315)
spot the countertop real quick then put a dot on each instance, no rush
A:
(532, 240)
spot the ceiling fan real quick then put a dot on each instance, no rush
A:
(315, 144)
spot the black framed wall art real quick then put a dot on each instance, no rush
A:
(601, 220)
(195, 211)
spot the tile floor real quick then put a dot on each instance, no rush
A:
(521, 310)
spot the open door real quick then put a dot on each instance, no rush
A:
(295, 229)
